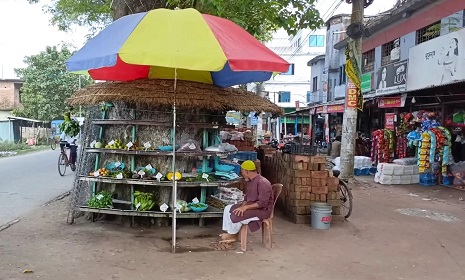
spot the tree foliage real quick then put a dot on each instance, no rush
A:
(47, 84)
(259, 17)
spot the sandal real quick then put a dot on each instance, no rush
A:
(223, 246)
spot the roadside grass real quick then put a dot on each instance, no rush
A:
(10, 148)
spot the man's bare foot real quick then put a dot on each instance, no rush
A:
(228, 238)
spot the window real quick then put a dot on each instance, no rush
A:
(428, 32)
(284, 97)
(342, 74)
(315, 84)
(368, 61)
(386, 53)
(290, 71)
(309, 96)
(316, 41)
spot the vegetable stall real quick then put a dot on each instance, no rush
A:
(125, 156)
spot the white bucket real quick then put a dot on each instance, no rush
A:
(321, 215)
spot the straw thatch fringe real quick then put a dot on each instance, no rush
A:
(189, 95)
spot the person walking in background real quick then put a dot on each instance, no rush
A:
(336, 147)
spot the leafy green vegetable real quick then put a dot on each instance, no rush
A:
(143, 201)
(102, 200)
(70, 128)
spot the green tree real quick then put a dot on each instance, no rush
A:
(47, 84)
(259, 17)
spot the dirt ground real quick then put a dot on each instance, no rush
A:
(394, 233)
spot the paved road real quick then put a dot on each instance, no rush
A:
(28, 181)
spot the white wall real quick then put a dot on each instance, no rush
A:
(296, 50)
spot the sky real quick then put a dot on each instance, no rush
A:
(20, 38)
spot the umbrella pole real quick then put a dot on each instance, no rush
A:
(175, 181)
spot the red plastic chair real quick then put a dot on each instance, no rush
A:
(267, 224)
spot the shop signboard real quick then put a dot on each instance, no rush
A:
(437, 62)
(233, 117)
(335, 108)
(392, 78)
(351, 95)
(366, 82)
(392, 102)
(320, 110)
(389, 119)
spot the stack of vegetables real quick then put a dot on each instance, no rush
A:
(382, 149)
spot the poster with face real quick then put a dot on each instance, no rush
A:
(392, 78)
(437, 62)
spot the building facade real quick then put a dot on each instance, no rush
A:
(293, 89)
(10, 97)
(413, 59)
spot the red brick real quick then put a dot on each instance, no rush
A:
(320, 190)
(297, 166)
(316, 183)
(335, 202)
(318, 159)
(302, 173)
(323, 198)
(302, 202)
(319, 174)
(332, 183)
(300, 188)
(322, 166)
(299, 158)
(312, 197)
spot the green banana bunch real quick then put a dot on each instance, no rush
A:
(143, 201)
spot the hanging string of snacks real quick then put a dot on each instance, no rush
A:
(427, 151)
(382, 149)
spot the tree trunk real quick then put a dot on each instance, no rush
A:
(126, 7)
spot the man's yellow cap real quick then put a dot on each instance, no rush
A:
(248, 165)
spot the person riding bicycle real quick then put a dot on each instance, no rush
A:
(71, 143)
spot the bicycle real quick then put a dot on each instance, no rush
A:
(54, 143)
(346, 193)
(64, 160)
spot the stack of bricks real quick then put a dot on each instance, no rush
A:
(305, 180)
(265, 150)
(245, 145)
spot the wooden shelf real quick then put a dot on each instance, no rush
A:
(157, 123)
(156, 152)
(156, 183)
(211, 212)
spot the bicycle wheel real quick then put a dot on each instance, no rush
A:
(53, 145)
(62, 163)
(346, 198)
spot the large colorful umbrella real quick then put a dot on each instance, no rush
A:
(202, 48)
(176, 44)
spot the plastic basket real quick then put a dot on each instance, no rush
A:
(447, 180)
(428, 179)
(237, 167)
(243, 156)
(297, 149)
(365, 171)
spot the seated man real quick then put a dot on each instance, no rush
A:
(336, 147)
(257, 206)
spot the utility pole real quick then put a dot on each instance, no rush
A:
(349, 123)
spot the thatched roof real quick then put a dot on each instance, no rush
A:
(189, 95)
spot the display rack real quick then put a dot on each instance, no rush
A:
(209, 213)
